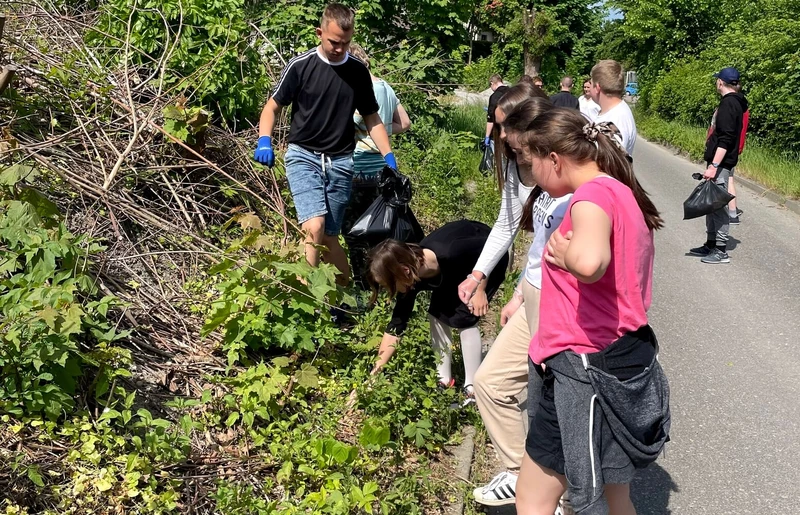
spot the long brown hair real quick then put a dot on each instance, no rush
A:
(519, 121)
(512, 98)
(562, 131)
(390, 263)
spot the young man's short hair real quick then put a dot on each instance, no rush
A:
(527, 79)
(359, 53)
(494, 79)
(341, 14)
(610, 76)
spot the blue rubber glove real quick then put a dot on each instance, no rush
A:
(264, 153)
(487, 141)
(390, 160)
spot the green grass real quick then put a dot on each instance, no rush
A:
(465, 118)
(764, 165)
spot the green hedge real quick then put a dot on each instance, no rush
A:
(761, 163)
(767, 53)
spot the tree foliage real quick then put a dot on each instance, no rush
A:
(680, 44)
(555, 36)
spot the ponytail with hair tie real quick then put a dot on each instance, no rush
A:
(591, 130)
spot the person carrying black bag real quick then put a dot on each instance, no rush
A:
(722, 154)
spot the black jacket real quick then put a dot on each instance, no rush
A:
(565, 99)
(493, 100)
(728, 130)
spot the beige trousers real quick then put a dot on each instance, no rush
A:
(502, 379)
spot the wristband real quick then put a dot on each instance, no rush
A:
(470, 276)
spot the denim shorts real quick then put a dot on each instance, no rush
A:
(320, 185)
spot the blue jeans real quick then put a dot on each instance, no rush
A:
(320, 185)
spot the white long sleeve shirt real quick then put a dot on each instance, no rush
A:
(505, 228)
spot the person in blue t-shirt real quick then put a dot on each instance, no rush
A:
(368, 162)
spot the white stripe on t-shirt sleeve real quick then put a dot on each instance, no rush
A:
(297, 59)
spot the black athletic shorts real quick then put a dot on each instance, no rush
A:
(624, 359)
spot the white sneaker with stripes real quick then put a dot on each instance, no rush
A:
(499, 492)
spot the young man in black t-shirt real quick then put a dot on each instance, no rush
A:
(565, 98)
(498, 90)
(324, 86)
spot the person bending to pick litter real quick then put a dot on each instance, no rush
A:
(437, 264)
(324, 86)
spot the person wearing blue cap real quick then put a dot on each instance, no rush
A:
(721, 156)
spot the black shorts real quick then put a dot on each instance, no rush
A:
(543, 443)
(624, 359)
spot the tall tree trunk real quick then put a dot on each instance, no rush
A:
(533, 63)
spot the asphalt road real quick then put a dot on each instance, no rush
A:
(730, 344)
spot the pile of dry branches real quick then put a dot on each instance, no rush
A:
(96, 132)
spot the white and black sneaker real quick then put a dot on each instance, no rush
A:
(499, 492)
(469, 396)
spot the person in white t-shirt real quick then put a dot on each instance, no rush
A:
(501, 381)
(608, 87)
(588, 107)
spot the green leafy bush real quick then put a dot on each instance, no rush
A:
(269, 301)
(765, 47)
(209, 49)
(54, 331)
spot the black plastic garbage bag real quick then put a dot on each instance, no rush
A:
(487, 161)
(706, 198)
(389, 216)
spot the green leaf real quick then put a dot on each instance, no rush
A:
(103, 485)
(218, 317)
(307, 376)
(340, 453)
(14, 173)
(43, 206)
(285, 472)
(35, 476)
(281, 362)
(374, 435)
(370, 488)
(48, 315)
(232, 419)
(110, 415)
(72, 320)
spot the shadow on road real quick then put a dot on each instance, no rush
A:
(651, 489)
(733, 243)
(650, 492)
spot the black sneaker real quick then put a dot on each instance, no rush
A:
(739, 212)
(733, 220)
(716, 257)
(701, 251)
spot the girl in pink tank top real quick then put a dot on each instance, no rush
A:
(597, 274)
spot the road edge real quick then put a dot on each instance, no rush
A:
(758, 189)
(463, 454)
